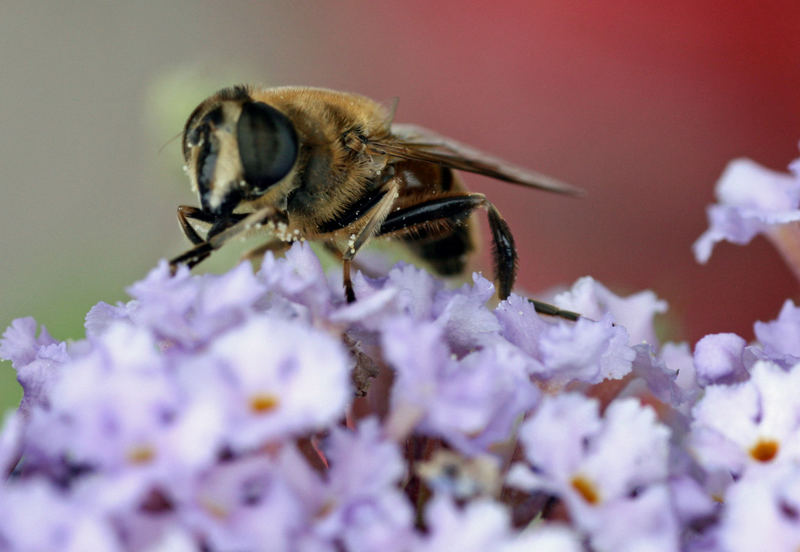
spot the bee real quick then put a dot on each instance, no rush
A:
(317, 164)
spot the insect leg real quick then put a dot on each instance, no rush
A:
(505, 259)
(452, 210)
(276, 246)
(373, 220)
(503, 252)
(354, 264)
(552, 310)
(186, 212)
(203, 249)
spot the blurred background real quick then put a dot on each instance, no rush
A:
(640, 103)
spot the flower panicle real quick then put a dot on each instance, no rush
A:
(261, 411)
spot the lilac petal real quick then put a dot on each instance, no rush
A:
(11, 440)
(481, 406)
(370, 513)
(418, 366)
(650, 523)
(632, 449)
(35, 516)
(751, 199)
(352, 454)
(103, 315)
(605, 469)
(160, 285)
(586, 351)
(781, 338)
(20, 344)
(238, 288)
(544, 537)
(110, 406)
(480, 525)
(555, 437)
(37, 377)
(562, 351)
(718, 358)
(298, 277)
(761, 508)
(473, 401)
(678, 360)
(690, 500)
(748, 424)
(165, 303)
(37, 360)
(660, 380)
(371, 309)
(245, 503)
(588, 461)
(466, 320)
(521, 325)
(190, 310)
(417, 287)
(277, 377)
(635, 312)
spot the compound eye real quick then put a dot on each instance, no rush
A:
(267, 145)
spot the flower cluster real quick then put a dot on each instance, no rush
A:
(260, 411)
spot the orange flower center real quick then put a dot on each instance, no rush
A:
(263, 403)
(141, 454)
(764, 450)
(586, 489)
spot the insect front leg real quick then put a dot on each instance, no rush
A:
(221, 232)
(186, 212)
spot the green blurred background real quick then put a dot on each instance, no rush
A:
(642, 104)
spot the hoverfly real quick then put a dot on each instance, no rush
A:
(317, 164)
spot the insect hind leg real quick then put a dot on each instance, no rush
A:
(552, 310)
(504, 253)
(442, 213)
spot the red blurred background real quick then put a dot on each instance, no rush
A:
(642, 104)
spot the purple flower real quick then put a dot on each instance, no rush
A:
(275, 377)
(472, 402)
(220, 412)
(604, 469)
(118, 411)
(721, 358)
(752, 200)
(560, 351)
(481, 525)
(761, 508)
(407, 291)
(484, 525)
(248, 502)
(296, 284)
(750, 424)
(189, 311)
(11, 437)
(37, 516)
(363, 505)
(37, 360)
(635, 312)
(20, 344)
(781, 338)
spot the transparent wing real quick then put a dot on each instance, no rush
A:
(420, 144)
